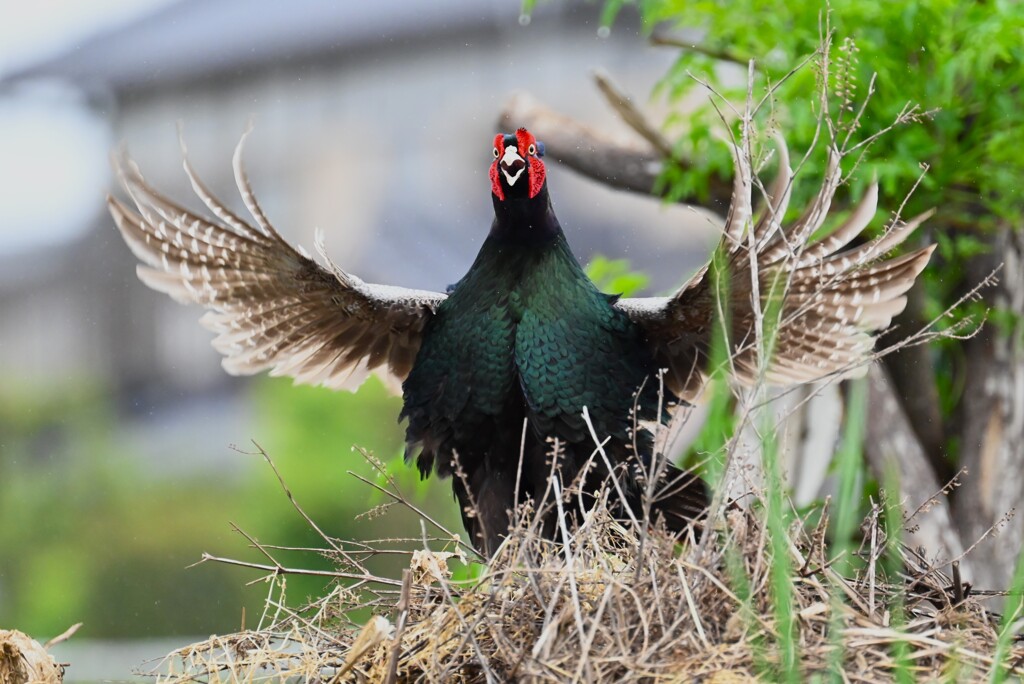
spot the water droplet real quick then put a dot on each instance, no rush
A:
(524, 19)
(604, 32)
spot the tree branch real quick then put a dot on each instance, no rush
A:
(664, 38)
(622, 103)
(633, 166)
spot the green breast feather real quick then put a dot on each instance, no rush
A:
(525, 333)
(573, 349)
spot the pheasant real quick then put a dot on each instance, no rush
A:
(524, 366)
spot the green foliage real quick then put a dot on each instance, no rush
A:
(965, 59)
(87, 536)
(779, 514)
(849, 469)
(312, 432)
(314, 435)
(720, 424)
(616, 277)
(961, 63)
(893, 523)
(695, 139)
(1010, 625)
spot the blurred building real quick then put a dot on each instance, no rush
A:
(372, 121)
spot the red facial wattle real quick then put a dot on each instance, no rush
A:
(499, 150)
(510, 163)
(535, 167)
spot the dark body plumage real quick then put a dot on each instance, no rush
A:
(526, 335)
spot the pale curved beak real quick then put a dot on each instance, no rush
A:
(512, 165)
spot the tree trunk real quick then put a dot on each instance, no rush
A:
(913, 377)
(991, 416)
(890, 443)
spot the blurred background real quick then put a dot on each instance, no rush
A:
(372, 122)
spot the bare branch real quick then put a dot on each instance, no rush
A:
(280, 570)
(662, 37)
(295, 504)
(623, 105)
(622, 164)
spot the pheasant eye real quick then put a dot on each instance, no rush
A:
(532, 149)
(495, 152)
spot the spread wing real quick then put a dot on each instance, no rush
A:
(273, 307)
(827, 298)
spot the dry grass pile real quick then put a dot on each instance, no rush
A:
(24, 661)
(622, 601)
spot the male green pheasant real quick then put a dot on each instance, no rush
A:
(524, 352)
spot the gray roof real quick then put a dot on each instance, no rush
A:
(269, 31)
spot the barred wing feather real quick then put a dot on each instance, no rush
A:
(273, 307)
(829, 298)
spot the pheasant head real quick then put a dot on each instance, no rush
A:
(517, 171)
